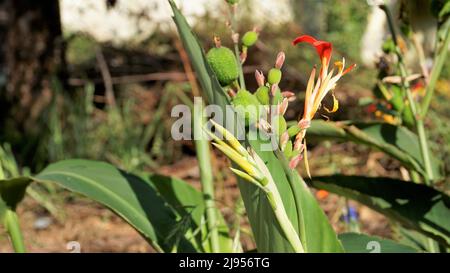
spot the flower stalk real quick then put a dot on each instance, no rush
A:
(206, 176)
(415, 107)
(253, 170)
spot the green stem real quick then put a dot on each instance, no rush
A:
(280, 213)
(236, 47)
(441, 57)
(206, 177)
(431, 245)
(425, 151)
(11, 222)
(294, 183)
(240, 69)
(414, 107)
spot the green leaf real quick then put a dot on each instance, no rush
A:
(131, 197)
(395, 141)
(415, 206)
(188, 201)
(310, 221)
(12, 192)
(361, 243)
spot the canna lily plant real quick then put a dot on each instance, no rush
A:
(283, 213)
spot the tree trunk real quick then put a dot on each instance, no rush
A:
(31, 56)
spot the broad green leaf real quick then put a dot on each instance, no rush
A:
(416, 206)
(131, 197)
(361, 243)
(188, 201)
(12, 192)
(310, 221)
(395, 141)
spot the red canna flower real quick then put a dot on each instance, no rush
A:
(323, 48)
(317, 89)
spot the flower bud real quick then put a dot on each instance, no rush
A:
(284, 139)
(283, 106)
(294, 161)
(280, 60)
(259, 76)
(273, 89)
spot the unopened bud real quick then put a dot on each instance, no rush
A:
(304, 124)
(217, 41)
(273, 89)
(235, 37)
(283, 106)
(280, 60)
(284, 140)
(259, 76)
(243, 56)
(231, 93)
(294, 161)
(298, 144)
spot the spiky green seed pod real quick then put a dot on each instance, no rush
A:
(279, 125)
(232, 2)
(223, 63)
(249, 38)
(274, 76)
(246, 104)
(262, 94)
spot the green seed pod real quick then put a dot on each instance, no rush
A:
(232, 2)
(246, 104)
(249, 38)
(279, 125)
(274, 76)
(224, 65)
(262, 94)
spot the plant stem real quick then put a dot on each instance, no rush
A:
(293, 183)
(280, 213)
(11, 222)
(414, 107)
(441, 57)
(431, 245)
(425, 151)
(236, 46)
(206, 177)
